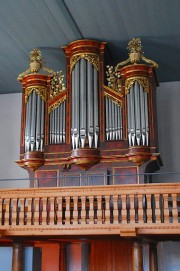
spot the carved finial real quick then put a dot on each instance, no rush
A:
(135, 55)
(135, 50)
(36, 62)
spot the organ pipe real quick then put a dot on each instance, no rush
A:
(85, 118)
(82, 102)
(57, 124)
(138, 124)
(34, 127)
(113, 116)
(96, 117)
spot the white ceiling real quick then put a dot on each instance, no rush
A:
(50, 24)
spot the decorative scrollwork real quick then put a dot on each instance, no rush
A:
(149, 61)
(92, 58)
(41, 91)
(113, 78)
(57, 84)
(55, 105)
(143, 81)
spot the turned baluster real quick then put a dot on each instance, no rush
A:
(37, 211)
(149, 209)
(107, 209)
(28, 211)
(68, 199)
(8, 215)
(99, 209)
(44, 206)
(13, 211)
(83, 210)
(157, 209)
(115, 210)
(124, 211)
(20, 211)
(174, 208)
(1, 212)
(132, 209)
(166, 208)
(141, 208)
(3, 222)
(91, 210)
(75, 211)
(51, 209)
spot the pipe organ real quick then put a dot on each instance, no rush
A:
(102, 122)
(85, 119)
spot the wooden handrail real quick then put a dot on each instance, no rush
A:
(128, 210)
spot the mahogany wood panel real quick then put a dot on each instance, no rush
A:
(110, 256)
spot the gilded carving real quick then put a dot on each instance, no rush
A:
(143, 81)
(41, 91)
(36, 63)
(109, 96)
(136, 54)
(113, 79)
(92, 58)
(55, 105)
(57, 84)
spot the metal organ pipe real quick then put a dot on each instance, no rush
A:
(113, 120)
(28, 124)
(96, 117)
(38, 123)
(90, 103)
(85, 118)
(138, 124)
(57, 124)
(34, 130)
(83, 102)
(137, 113)
(76, 105)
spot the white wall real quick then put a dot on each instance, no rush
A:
(10, 118)
(168, 116)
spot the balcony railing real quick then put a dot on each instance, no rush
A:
(126, 210)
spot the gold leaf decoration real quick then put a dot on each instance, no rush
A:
(56, 104)
(143, 81)
(92, 58)
(41, 91)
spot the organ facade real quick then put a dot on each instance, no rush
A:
(101, 122)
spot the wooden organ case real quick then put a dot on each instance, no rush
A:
(100, 128)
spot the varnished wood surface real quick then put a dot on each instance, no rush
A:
(128, 210)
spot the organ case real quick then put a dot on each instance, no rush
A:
(97, 123)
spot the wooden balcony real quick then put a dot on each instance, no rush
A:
(125, 210)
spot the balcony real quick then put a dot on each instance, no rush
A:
(125, 210)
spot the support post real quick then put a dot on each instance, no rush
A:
(137, 256)
(153, 265)
(17, 258)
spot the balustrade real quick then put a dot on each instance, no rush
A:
(148, 208)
